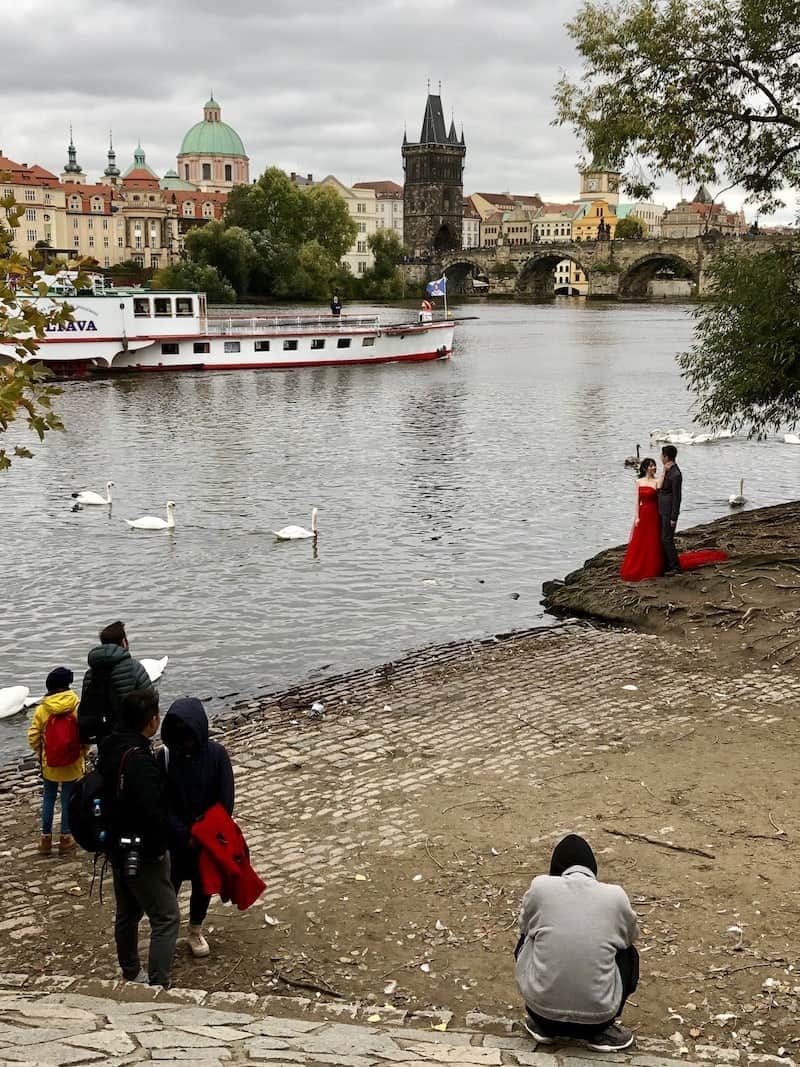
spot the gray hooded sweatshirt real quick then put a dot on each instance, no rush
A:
(575, 926)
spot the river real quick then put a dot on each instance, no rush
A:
(447, 493)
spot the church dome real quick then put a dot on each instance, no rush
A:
(212, 137)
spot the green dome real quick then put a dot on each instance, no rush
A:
(212, 139)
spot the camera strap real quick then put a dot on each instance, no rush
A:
(123, 763)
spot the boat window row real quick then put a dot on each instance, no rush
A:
(161, 307)
(203, 348)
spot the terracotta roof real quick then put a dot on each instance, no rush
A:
(383, 189)
(142, 178)
(22, 174)
(567, 209)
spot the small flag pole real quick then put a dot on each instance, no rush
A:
(445, 294)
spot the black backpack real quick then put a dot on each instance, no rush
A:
(94, 809)
(96, 711)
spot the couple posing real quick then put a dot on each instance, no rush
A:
(651, 551)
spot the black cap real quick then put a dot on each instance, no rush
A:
(58, 679)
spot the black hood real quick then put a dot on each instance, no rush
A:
(192, 714)
(572, 851)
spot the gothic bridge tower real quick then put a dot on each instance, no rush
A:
(433, 189)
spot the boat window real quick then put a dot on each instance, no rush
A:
(343, 342)
(170, 348)
(261, 346)
(318, 342)
(233, 346)
(290, 346)
(163, 305)
(368, 342)
(183, 305)
(201, 348)
(141, 307)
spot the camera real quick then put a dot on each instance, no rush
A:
(131, 855)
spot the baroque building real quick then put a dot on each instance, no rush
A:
(212, 156)
(433, 189)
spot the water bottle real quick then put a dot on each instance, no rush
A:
(97, 812)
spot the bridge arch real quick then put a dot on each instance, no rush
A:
(536, 276)
(635, 279)
(463, 272)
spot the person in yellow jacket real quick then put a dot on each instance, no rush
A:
(61, 742)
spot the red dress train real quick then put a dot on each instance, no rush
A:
(645, 557)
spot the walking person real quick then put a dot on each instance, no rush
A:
(139, 856)
(198, 775)
(54, 737)
(576, 961)
(669, 506)
(112, 674)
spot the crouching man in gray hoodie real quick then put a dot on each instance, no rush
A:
(576, 964)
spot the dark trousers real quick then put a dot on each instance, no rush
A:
(149, 893)
(628, 967)
(671, 562)
(185, 868)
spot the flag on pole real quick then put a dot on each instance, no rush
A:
(437, 288)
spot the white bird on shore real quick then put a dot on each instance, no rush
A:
(633, 461)
(155, 667)
(15, 698)
(151, 522)
(791, 439)
(88, 497)
(297, 533)
(737, 500)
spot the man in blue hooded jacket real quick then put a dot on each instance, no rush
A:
(198, 775)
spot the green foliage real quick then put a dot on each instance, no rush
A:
(199, 277)
(630, 228)
(384, 281)
(745, 363)
(229, 249)
(705, 89)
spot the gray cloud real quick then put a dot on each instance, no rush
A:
(312, 87)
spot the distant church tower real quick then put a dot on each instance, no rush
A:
(600, 182)
(433, 190)
(72, 172)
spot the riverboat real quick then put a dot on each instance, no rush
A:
(134, 329)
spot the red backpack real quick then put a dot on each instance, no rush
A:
(62, 741)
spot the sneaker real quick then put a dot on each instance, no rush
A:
(45, 844)
(141, 978)
(66, 843)
(613, 1039)
(198, 946)
(539, 1038)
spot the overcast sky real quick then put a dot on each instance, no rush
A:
(311, 87)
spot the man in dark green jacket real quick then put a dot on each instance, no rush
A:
(112, 674)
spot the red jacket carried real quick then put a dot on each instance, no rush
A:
(224, 859)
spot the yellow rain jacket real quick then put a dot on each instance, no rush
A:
(64, 703)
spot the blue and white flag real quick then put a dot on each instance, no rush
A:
(437, 288)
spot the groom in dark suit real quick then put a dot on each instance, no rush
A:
(669, 506)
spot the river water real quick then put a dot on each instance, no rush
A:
(444, 490)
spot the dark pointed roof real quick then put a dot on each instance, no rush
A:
(452, 136)
(434, 130)
(703, 196)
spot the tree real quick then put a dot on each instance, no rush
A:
(328, 221)
(384, 281)
(745, 363)
(228, 248)
(705, 89)
(630, 228)
(199, 277)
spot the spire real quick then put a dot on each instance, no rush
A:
(138, 156)
(112, 170)
(452, 136)
(433, 127)
(72, 167)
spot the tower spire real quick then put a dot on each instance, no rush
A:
(72, 167)
(112, 170)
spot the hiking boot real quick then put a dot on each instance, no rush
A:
(66, 843)
(45, 844)
(537, 1035)
(198, 946)
(613, 1039)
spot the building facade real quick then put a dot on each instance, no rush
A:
(388, 204)
(433, 187)
(212, 156)
(362, 205)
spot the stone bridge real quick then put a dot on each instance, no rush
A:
(620, 269)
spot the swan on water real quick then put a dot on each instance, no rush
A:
(155, 667)
(88, 497)
(633, 461)
(737, 500)
(296, 533)
(151, 522)
(791, 439)
(15, 698)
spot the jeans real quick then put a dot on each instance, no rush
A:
(184, 867)
(49, 794)
(628, 967)
(148, 893)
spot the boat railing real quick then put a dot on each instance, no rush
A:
(228, 326)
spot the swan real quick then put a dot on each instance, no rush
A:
(15, 698)
(633, 461)
(155, 667)
(738, 500)
(296, 533)
(150, 522)
(791, 439)
(88, 497)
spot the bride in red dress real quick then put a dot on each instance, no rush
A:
(645, 557)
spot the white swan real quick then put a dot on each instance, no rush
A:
(791, 439)
(155, 667)
(633, 461)
(150, 522)
(737, 500)
(15, 698)
(88, 497)
(296, 533)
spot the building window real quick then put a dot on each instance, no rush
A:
(183, 306)
(361, 246)
(31, 235)
(362, 227)
(120, 243)
(188, 208)
(361, 209)
(97, 204)
(76, 223)
(47, 199)
(105, 242)
(139, 261)
(141, 307)
(362, 266)
(367, 342)
(206, 172)
(106, 261)
(74, 203)
(261, 346)
(76, 241)
(91, 241)
(201, 348)
(30, 214)
(105, 224)
(228, 172)
(170, 348)
(317, 342)
(163, 306)
(90, 224)
(343, 342)
(233, 346)
(208, 211)
(290, 346)
(186, 171)
(137, 242)
(154, 261)
(30, 194)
